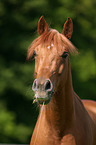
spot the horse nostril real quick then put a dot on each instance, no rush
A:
(48, 86)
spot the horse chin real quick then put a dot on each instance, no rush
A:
(43, 101)
(43, 97)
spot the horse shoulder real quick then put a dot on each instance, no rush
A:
(90, 105)
(91, 109)
(83, 126)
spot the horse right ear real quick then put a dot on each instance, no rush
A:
(42, 25)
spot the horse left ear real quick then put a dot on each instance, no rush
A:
(68, 28)
(42, 25)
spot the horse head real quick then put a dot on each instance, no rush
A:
(51, 52)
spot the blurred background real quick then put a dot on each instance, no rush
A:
(18, 28)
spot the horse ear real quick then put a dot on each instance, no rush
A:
(68, 28)
(42, 25)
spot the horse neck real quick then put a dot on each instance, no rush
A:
(59, 112)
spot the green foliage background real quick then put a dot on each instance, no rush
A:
(18, 28)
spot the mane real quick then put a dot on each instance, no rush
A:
(52, 37)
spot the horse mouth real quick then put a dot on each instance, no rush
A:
(43, 97)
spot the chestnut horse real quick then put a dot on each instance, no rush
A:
(64, 118)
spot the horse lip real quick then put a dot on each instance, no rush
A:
(43, 98)
(44, 101)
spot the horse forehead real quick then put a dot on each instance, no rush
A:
(48, 59)
(50, 51)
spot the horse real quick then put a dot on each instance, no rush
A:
(64, 118)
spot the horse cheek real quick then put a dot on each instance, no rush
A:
(61, 68)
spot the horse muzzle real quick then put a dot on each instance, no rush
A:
(43, 89)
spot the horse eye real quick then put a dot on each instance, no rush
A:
(34, 53)
(64, 55)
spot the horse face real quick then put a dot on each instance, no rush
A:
(50, 68)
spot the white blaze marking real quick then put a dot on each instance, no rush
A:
(52, 45)
(48, 47)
